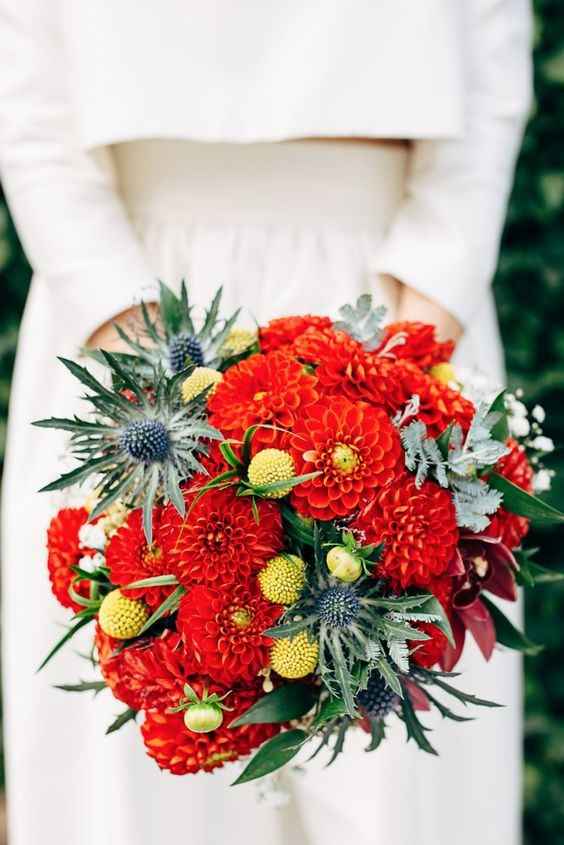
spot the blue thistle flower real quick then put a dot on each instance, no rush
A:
(338, 607)
(377, 700)
(146, 440)
(184, 349)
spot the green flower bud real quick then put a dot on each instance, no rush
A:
(203, 717)
(343, 565)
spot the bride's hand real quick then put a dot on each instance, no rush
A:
(414, 306)
(131, 321)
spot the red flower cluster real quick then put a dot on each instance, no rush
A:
(335, 406)
(64, 552)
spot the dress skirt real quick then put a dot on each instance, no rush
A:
(285, 228)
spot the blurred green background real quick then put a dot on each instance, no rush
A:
(530, 294)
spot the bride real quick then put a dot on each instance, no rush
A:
(299, 153)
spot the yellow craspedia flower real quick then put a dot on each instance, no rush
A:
(238, 340)
(120, 617)
(282, 579)
(269, 466)
(444, 372)
(200, 379)
(294, 657)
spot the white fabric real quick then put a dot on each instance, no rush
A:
(79, 74)
(231, 215)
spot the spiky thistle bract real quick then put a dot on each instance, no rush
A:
(177, 342)
(135, 447)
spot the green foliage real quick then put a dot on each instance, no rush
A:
(530, 296)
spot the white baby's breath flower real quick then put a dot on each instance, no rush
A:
(542, 444)
(92, 537)
(91, 562)
(519, 426)
(542, 480)
(539, 413)
(518, 409)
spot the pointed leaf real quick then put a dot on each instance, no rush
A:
(287, 702)
(507, 634)
(127, 716)
(273, 755)
(519, 502)
(69, 634)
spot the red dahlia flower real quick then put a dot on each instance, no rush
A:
(271, 390)
(151, 673)
(440, 405)
(509, 527)
(182, 752)
(355, 448)
(223, 628)
(220, 542)
(64, 552)
(342, 365)
(129, 558)
(420, 347)
(283, 331)
(417, 527)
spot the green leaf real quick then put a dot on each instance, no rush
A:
(148, 500)
(156, 581)
(465, 697)
(171, 310)
(332, 708)
(125, 717)
(296, 527)
(289, 629)
(247, 443)
(275, 486)
(391, 678)
(169, 605)
(542, 575)
(273, 755)
(519, 502)
(288, 702)
(228, 453)
(507, 634)
(377, 734)
(69, 634)
(443, 440)
(78, 474)
(83, 686)
(445, 711)
(433, 605)
(415, 730)
(500, 429)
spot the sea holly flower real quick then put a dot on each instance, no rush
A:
(136, 449)
(175, 343)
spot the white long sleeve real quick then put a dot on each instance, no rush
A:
(72, 225)
(444, 241)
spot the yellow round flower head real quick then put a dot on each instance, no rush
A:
(282, 579)
(443, 372)
(120, 617)
(238, 340)
(294, 657)
(200, 379)
(270, 466)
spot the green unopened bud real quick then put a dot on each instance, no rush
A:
(203, 717)
(343, 565)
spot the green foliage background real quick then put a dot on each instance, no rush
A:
(530, 295)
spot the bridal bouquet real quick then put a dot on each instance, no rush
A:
(287, 534)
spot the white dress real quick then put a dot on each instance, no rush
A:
(285, 228)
